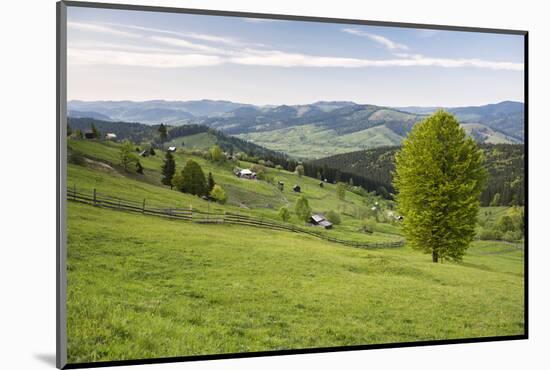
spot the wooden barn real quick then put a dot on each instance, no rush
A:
(320, 221)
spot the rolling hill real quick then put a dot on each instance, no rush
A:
(312, 130)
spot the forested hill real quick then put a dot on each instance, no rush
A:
(504, 162)
(149, 134)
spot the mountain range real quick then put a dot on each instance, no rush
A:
(310, 130)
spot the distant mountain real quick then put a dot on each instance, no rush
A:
(506, 117)
(88, 114)
(153, 111)
(312, 130)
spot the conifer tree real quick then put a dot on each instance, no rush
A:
(168, 169)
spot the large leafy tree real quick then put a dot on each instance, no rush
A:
(192, 179)
(439, 177)
(168, 169)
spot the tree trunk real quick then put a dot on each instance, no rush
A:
(434, 257)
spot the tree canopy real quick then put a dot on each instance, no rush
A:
(191, 179)
(439, 178)
(302, 208)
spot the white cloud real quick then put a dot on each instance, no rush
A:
(99, 28)
(178, 42)
(177, 52)
(136, 59)
(384, 41)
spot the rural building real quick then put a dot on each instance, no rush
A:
(144, 153)
(89, 134)
(281, 185)
(171, 149)
(245, 173)
(297, 188)
(110, 136)
(320, 221)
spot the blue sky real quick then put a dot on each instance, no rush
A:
(134, 55)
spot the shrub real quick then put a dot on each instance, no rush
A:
(333, 217)
(284, 214)
(512, 236)
(218, 194)
(489, 234)
(77, 158)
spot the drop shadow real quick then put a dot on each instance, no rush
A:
(47, 358)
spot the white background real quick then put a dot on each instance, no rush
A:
(27, 172)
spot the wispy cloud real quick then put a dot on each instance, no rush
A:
(99, 28)
(384, 41)
(158, 51)
(137, 59)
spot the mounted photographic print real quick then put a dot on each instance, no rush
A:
(235, 184)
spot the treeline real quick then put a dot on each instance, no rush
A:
(504, 162)
(334, 175)
(136, 132)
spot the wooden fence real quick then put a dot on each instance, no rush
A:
(189, 214)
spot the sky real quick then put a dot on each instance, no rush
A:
(136, 55)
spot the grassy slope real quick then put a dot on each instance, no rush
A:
(203, 140)
(142, 287)
(310, 141)
(259, 197)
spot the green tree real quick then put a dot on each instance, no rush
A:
(216, 154)
(192, 179)
(333, 217)
(505, 223)
(210, 183)
(341, 191)
(439, 177)
(302, 208)
(163, 133)
(95, 131)
(284, 214)
(218, 194)
(299, 170)
(127, 155)
(168, 169)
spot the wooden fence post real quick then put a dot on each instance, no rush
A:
(191, 211)
(74, 191)
(143, 206)
(95, 197)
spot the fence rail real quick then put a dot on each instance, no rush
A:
(189, 214)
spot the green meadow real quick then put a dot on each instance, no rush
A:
(140, 286)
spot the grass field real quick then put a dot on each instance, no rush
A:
(141, 286)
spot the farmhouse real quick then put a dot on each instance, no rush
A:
(144, 153)
(320, 221)
(110, 136)
(245, 173)
(89, 134)
(297, 188)
(171, 149)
